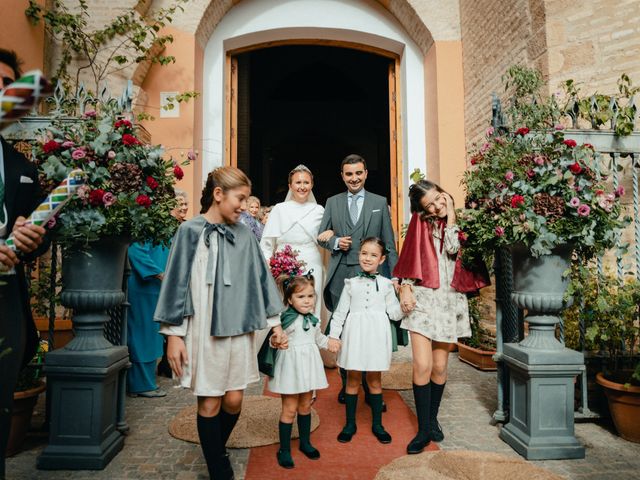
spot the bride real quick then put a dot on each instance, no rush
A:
(295, 222)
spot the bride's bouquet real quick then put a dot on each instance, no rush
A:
(286, 262)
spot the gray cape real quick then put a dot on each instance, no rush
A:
(238, 308)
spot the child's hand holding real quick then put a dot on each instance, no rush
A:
(334, 345)
(326, 236)
(279, 339)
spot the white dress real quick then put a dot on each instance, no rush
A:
(297, 224)
(299, 368)
(216, 364)
(362, 318)
(441, 314)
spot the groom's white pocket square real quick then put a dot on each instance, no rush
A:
(24, 179)
(374, 211)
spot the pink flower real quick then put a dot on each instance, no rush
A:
(559, 127)
(484, 147)
(111, 154)
(570, 143)
(490, 131)
(52, 222)
(499, 231)
(78, 154)
(531, 173)
(574, 202)
(90, 114)
(584, 210)
(619, 191)
(508, 176)
(108, 199)
(607, 201)
(83, 192)
(68, 144)
(538, 160)
(191, 155)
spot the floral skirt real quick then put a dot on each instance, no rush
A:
(441, 315)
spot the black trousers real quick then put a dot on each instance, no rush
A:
(13, 339)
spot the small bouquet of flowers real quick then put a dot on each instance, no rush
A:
(286, 262)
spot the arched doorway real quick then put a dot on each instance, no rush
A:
(312, 104)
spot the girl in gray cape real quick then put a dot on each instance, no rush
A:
(217, 292)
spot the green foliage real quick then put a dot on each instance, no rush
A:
(181, 97)
(40, 291)
(610, 310)
(30, 375)
(126, 39)
(533, 186)
(129, 190)
(480, 337)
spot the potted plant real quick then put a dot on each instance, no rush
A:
(477, 350)
(610, 307)
(25, 397)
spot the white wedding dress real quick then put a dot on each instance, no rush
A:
(296, 224)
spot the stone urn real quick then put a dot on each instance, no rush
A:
(541, 369)
(85, 376)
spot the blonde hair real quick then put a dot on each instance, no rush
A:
(253, 199)
(227, 178)
(300, 169)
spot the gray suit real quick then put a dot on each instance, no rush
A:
(374, 221)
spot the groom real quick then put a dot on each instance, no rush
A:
(353, 216)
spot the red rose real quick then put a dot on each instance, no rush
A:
(177, 172)
(522, 131)
(570, 143)
(152, 183)
(143, 201)
(516, 201)
(51, 146)
(588, 145)
(123, 123)
(95, 197)
(462, 237)
(129, 140)
(531, 173)
(575, 168)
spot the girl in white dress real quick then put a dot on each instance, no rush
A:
(216, 293)
(298, 369)
(296, 222)
(361, 320)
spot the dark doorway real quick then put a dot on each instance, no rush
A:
(312, 105)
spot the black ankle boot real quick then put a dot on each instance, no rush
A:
(422, 396)
(350, 428)
(376, 413)
(435, 431)
(304, 429)
(284, 454)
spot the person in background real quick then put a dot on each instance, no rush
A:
(250, 217)
(19, 195)
(180, 212)
(263, 216)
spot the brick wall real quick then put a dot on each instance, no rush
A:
(496, 34)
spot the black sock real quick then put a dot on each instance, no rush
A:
(212, 446)
(227, 423)
(422, 396)
(284, 432)
(436, 396)
(304, 429)
(375, 399)
(350, 406)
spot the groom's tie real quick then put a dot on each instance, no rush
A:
(353, 209)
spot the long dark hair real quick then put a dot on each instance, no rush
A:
(417, 191)
(226, 178)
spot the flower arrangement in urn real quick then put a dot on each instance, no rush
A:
(129, 186)
(285, 262)
(534, 186)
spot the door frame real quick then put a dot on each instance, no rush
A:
(395, 112)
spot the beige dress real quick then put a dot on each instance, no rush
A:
(441, 314)
(216, 364)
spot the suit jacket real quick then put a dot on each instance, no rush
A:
(21, 198)
(376, 222)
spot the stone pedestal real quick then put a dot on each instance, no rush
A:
(84, 400)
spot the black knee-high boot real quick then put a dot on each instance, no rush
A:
(376, 413)
(284, 453)
(422, 396)
(213, 449)
(349, 430)
(304, 428)
(435, 432)
(227, 423)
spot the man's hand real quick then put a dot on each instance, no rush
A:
(344, 243)
(27, 236)
(8, 258)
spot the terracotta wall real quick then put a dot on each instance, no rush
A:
(17, 33)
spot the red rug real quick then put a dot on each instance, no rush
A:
(359, 459)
